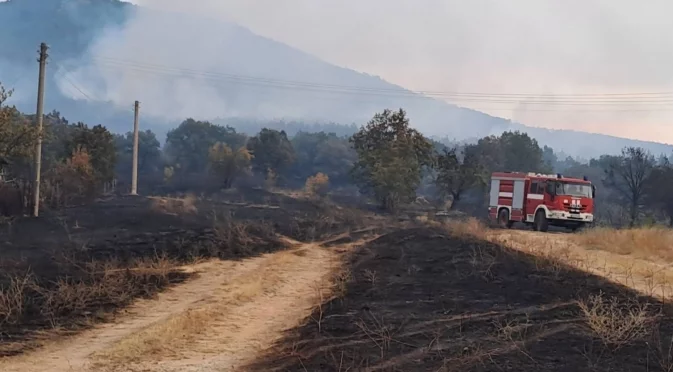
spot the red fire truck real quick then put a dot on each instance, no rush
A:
(541, 200)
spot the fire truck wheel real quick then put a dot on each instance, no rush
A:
(503, 219)
(541, 223)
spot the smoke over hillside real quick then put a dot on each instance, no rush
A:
(181, 66)
(105, 54)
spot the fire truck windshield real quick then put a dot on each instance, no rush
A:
(574, 189)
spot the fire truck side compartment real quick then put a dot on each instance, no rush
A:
(517, 194)
(495, 193)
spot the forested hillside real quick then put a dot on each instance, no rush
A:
(82, 161)
(101, 61)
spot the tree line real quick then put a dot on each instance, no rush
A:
(386, 160)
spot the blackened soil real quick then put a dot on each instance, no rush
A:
(71, 268)
(421, 300)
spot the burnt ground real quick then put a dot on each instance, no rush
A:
(72, 268)
(419, 299)
(118, 218)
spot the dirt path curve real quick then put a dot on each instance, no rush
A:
(215, 322)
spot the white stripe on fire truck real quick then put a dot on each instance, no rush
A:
(505, 194)
(535, 196)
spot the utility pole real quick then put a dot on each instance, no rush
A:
(134, 176)
(39, 114)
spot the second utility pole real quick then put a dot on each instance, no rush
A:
(39, 114)
(134, 175)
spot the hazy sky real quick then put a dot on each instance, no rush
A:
(570, 47)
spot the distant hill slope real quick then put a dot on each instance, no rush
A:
(107, 53)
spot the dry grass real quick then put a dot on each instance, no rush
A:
(175, 206)
(647, 243)
(13, 297)
(617, 323)
(317, 185)
(88, 294)
(340, 280)
(470, 227)
(631, 257)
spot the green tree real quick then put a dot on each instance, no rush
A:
(149, 153)
(189, 143)
(17, 135)
(457, 174)
(628, 174)
(17, 140)
(658, 192)
(549, 158)
(391, 158)
(227, 165)
(514, 152)
(322, 153)
(272, 151)
(58, 133)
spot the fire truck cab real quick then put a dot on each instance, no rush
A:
(541, 200)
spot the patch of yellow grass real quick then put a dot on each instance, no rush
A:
(177, 206)
(636, 258)
(470, 227)
(647, 243)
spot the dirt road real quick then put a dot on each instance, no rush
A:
(215, 322)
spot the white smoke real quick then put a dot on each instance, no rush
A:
(533, 46)
(151, 59)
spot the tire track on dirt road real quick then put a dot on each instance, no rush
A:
(217, 321)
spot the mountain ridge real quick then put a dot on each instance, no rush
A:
(87, 28)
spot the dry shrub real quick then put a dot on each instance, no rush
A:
(13, 298)
(233, 234)
(240, 237)
(105, 285)
(340, 281)
(615, 322)
(317, 184)
(88, 292)
(649, 243)
(663, 350)
(176, 206)
(470, 227)
(421, 219)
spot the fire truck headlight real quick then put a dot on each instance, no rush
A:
(565, 201)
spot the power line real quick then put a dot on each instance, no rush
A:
(64, 73)
(17, 79)
(411, 95)
(655, 97)
(216, 77)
